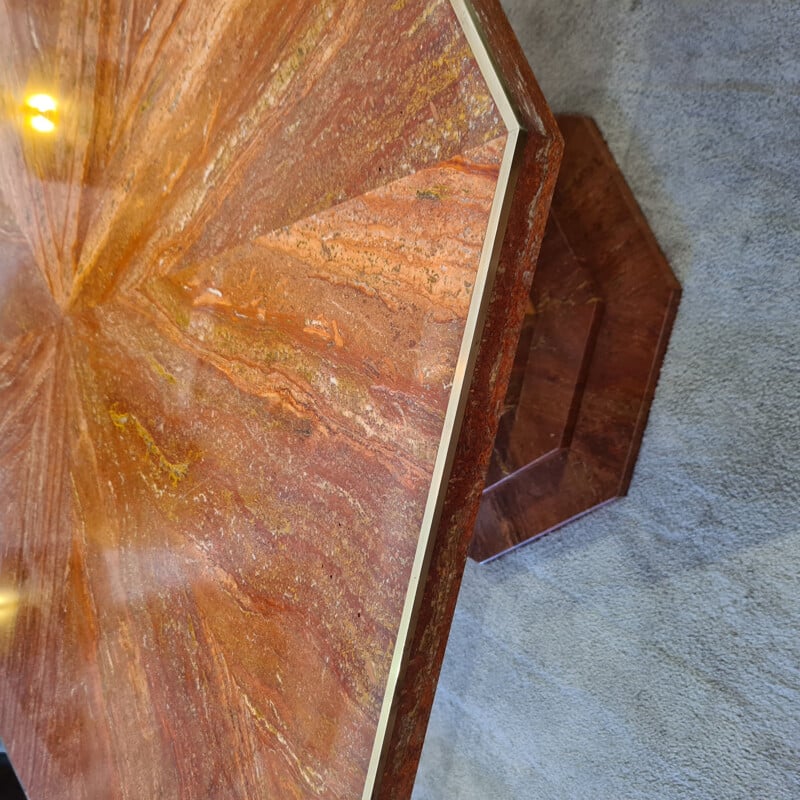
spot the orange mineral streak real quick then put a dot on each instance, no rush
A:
(234, 279)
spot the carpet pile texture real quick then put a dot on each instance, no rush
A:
(652, 649)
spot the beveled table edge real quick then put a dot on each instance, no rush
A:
(533, 150)
(473, 328)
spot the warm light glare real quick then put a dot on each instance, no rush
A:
(43, 103)
(42, 124)
(9, 604)
(40, 112)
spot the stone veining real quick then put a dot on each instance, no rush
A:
(234, 278)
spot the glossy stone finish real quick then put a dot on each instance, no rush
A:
(555, 349)
(602, 306)
(238, 248)
(540, 151)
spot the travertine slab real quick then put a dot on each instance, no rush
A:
(604, 299)
(246, 253)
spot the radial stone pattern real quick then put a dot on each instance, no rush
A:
(239, 248)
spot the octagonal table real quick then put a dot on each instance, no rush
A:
(263, 267)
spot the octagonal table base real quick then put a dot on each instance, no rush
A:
(600, 314)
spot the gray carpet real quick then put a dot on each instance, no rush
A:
(652, 650)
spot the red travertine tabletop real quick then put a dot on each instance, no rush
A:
(247, 250)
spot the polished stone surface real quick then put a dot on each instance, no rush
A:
(237, 252)
(537, 158)
(603, 300)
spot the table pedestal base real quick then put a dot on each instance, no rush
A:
(601, 310)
